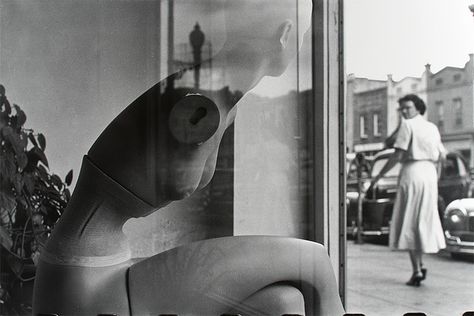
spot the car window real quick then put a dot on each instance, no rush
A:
(462, 167)
(378, 165)
(352, 170)
(450, 167)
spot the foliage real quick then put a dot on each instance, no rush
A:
(31, 197)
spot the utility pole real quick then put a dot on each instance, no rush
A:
(170, 82)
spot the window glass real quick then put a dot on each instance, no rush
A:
(76, 65)
(363, 127)
(378, 165)
(461, 167)
(451, 167)
(457, 105)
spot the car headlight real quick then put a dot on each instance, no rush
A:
(455, 218)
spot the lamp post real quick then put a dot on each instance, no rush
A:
(196, 38)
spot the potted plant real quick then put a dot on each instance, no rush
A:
(31, 201)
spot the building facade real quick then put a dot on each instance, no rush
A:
(450, 99)
(355, 89)
(372, 107)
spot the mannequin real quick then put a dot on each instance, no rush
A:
(162, 148)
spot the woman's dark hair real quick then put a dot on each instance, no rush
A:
(419, 103)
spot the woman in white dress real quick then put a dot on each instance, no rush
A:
(415, 224)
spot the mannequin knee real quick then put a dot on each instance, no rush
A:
(278, 299)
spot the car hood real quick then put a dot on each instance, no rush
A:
(465, 205)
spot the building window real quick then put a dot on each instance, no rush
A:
(439, 81)
(363, 127)
(440, 109)
(376, 124)
(457, 77)
(414, 86)
(457, 105)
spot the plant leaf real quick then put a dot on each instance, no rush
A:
(8, 108)
(42, 141)
(43, 174)
(7, 201)
(56, 180)
(18, 183)
(5, 238)
(21, 116)
(39, 154)
(68, 178)
(22, 161)
(6, 131)
(32, 139)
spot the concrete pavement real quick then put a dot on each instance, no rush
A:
(376, 286)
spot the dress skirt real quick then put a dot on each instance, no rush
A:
(415, 221)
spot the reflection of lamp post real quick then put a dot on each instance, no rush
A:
(196, 38)
(170, 81)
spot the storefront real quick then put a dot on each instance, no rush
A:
(280, 169)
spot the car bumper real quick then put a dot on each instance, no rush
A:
(376, 232)
(382, 231)
(456, 245)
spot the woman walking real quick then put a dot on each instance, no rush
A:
(415, 224)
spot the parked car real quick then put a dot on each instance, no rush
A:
(458, 227)
(377, 204)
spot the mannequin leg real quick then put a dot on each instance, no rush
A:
(214, 276)
(278, 299)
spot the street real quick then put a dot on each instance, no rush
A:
(376, 280)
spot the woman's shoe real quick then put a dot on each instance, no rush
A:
(424, 272)
(415, 279)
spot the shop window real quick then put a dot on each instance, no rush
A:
(440, 112)
(457, 105)
(363, 127)
(376, 124)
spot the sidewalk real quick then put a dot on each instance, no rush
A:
(376, 286)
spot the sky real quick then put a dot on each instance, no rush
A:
(400, 36)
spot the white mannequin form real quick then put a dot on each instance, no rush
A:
(142, 162)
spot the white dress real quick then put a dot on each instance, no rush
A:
(415, 221)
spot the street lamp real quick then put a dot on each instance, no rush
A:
(196, 38)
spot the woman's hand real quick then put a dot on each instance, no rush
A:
(373, 183)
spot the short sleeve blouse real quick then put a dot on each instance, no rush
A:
(420, 138)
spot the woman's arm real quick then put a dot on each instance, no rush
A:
(395, 158)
